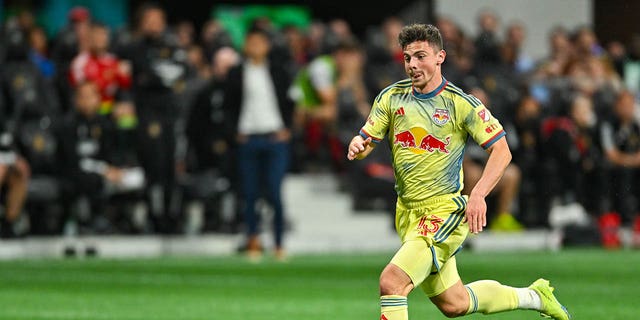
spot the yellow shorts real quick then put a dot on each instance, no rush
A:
(432, 231)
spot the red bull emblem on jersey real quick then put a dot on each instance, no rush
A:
(419, 141)
(440, 116)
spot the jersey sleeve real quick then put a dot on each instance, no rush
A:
(377, 123)
(483, 127)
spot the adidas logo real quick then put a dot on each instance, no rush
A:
(400, 112)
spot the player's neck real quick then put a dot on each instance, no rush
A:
(432, 84)
(435, 84)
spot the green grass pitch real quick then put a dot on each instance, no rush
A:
(593, 284)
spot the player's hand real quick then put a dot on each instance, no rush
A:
(357, 146)
(476, 213)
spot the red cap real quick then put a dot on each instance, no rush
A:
(79, 14)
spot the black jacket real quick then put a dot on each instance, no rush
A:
(233, 95)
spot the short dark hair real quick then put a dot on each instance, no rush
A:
(255, 30)
(420, 32)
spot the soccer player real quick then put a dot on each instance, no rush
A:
(427, 121)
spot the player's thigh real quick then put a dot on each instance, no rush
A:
(438, 283)
(415, 258)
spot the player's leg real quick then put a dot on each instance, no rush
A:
(277, 165)
(17, 179)
(490, 296)
(454, 299)
(248, 164)
(411, 265)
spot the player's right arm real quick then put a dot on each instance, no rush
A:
(359, 148)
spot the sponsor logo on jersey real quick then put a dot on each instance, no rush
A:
(400, 111)
(490, 128)
(419, 141)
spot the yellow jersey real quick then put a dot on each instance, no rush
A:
(427, 134)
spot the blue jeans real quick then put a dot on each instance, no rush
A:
(263, 163)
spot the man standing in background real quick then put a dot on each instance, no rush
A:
(260, 118)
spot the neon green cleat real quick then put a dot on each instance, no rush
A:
(551, 307)
(505, 222)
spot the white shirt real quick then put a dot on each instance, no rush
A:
(259, 112)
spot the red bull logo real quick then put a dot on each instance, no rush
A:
(440, 116)
(406, 139)
(428, 142)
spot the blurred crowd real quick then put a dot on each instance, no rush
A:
(134, 129)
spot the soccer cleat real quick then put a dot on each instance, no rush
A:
(551, 307)
(505, 222)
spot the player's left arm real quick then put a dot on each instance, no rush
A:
(499, 158)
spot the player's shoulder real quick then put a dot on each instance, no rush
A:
(401, 86)
(460, 97)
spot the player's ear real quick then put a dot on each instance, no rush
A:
(440, 57)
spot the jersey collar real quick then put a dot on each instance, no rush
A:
(433, 93)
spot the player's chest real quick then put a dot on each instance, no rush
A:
(424, 126)
(434, 116)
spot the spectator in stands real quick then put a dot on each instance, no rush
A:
(210, 153)
(506, 191)
(621, 144)
(207, 119)
(27, 100)
(586, 44)
(460, 50)
(384, 56)
(158, 74)
(71, 40)
(492, 72)
(513, 50)
(260, 118)
(85, 159)
(561, 52)
(631, 66)
(213, 37)
(526, 150)
(14, 176)
(39, 53)
(487, 43)
(572, 157)
(98, 65)
(352, 97)
(315, 93)
(184, 32)
(297, 43)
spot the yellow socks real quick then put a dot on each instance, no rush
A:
(488, 296)
(394, 308)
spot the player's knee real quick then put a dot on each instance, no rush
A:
(391, 283)
(453, 310)
(389, 287)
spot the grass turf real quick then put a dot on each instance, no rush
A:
(593, 284)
